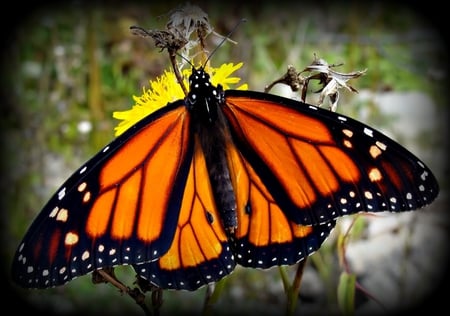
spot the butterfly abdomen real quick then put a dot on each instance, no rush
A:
(219, 176)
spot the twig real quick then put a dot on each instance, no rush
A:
(107, 276)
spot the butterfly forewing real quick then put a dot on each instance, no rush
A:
(121, 207)
(319, 165)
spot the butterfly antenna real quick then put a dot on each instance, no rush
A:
(185, 59)
(223, 41)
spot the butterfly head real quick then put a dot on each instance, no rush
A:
(203, 98)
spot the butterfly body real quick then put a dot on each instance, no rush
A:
(204, 102)
(218, 179)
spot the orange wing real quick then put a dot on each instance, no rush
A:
(265, 236)
(121, 207)
(318, 165)
(199, 253)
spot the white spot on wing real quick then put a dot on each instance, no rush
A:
(381, 145)
(85, 255)
(71, 239)
(368, 131)
(424, 175)
(82, 186)
(62, 216)
(347, 132)
(61, 194)
(54, 212)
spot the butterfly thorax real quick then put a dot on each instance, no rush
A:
(204, 102)
(203, 98)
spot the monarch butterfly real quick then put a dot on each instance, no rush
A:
(220, 178)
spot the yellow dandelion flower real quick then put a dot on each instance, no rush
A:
(165, 89)
(222, 76)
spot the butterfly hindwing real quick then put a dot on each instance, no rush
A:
(199, 253)
(265, 236)
(319, 165)
(112, 211)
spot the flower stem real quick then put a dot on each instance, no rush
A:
(292, 290)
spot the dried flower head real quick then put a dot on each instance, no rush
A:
(188, 19)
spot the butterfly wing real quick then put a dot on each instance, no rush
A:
(199, 253)
(265, 236)
(121, 207)
(319, 165)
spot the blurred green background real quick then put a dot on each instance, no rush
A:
(67, 67)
